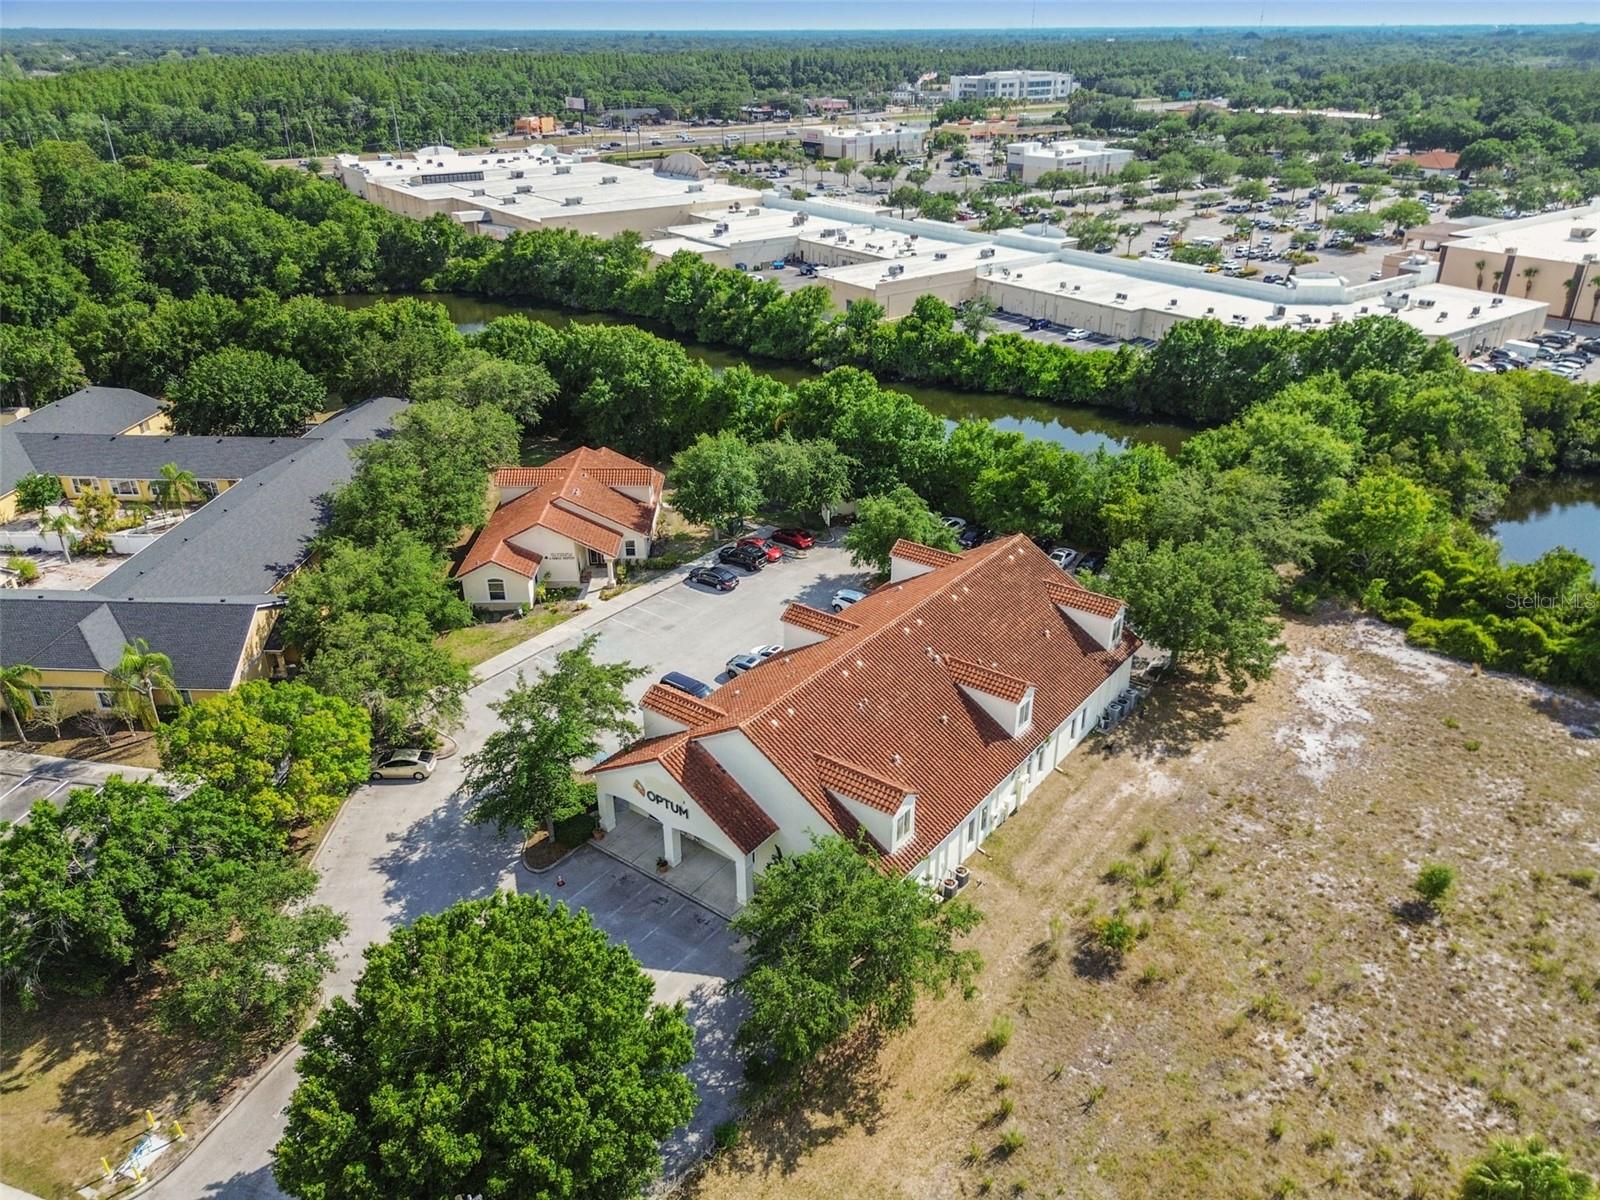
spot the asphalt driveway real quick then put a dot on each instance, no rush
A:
(27, 778)
(401, 849)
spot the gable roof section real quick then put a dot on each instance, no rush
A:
(142, 455)
(575, 496)
(725, 802)
(872, 691)
(679, 706)
(814, 619)
(80, 631)
(1074, 595)
(916, 552)
(1434, 160)
(857, 783)
(987, 679)
(98, 410)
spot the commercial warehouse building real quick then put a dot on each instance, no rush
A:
(863, 145)
(921, 717)
(1027, 161)
(1551, 257)
(498, 191)
(1023, 86)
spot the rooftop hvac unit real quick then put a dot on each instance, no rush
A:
(696, 187)
(1363, 310)
(571, 201)
(1495, 303)
(1476, 309)
(1425, 303)
(519, 174)
(524, 189)
(479, 192)
(1582, 233)
(1120, 296)
(508, 200)
(896, 269)
(1209, 311)
(913, 237)
(798, 219)
(605, 179)
(1443, 316)
(986, 252)
(939, 255)
(1278, 310)
(563, 168)
(1173, 303)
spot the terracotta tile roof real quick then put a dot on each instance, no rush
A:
(680, 706)
(987, 679)
(871, 691)
(860, 784)
(928, 556)
(1433, 160)
(725, 802)
(516, 559)
(826, 623)
(1074, 595)
(574, 495)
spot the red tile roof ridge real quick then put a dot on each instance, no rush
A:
(861, 783)
(1077, 596)
(680, 706)
(918, 552)
(816, 620)
(987, 679)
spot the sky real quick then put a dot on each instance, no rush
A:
(909, 15)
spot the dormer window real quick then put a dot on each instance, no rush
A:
(1025, 712)
(904, 825)
(1116, 629)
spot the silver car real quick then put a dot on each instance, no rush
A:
(740, 663)
(404, 764)
(845, 597)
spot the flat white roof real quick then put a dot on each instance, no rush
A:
(747, 225)
(926, 262)
(878, 241)
(1545, 235)
(1114, 290)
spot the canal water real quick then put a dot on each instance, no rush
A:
(1079, 428)
(1541, 516)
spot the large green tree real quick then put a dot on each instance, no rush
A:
(522, 776)
(715, 481)
(1209, 602)
(881, 521)
(477, 377)
(835, 943)
(505, 1048)
(397, 576)
(246, 392)
(392, 667)
(251, 962)
(811, 477)
(289, 753)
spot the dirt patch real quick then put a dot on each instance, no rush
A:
(1278, 1026)
(78, 739)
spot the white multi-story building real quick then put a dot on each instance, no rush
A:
(1023, 86)
(1026, 161)
(837, 141)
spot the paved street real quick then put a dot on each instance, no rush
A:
(26, 778)
(401, 849)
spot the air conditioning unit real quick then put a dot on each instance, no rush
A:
(1120, 296)
(940, 255)
(563, 168)
(696, 187)
(1279, 310)
(896, 269)
(986, 252)
(605, 179)
(479, 192)
(1496, 302)
(524, 189)
(1425, 303)
(571, 201)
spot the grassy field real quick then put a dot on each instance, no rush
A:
(479, 643)
(1290, 1022)
(76, 1076)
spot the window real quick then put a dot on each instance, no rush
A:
(903, 824)
(184, 697)
(208, 488)
(125, 487)
(1025, 713)
(1116, 630)
(497, 589)
(596, 559)
(630, 550)
(103, 699)
(83, 485)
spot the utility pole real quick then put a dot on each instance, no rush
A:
(109, 145)
(312, 130)
(399, 147)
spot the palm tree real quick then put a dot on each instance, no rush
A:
(1529, 274)
(62, 525)
(1479, 266)
(16, 692)
(1594, 303)
(145, 672)
(1570, 286)
(176, 485)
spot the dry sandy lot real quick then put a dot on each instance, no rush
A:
(1289, 1024)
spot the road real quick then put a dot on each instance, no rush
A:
(400, 850)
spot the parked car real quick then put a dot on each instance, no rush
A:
(1074, 333)
(956, 523)
(740, 663)
(404, 764)
(687, 683)
(720, 578)
(747, 557)
(771, 550)
(1092, 561)
(1065, 557)
(799, 539)
(972, 536)
(845, 597)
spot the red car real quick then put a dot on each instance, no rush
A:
(798, 538)
(773, 553)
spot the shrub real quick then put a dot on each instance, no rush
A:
(25, 569)
(1433, 884)
(576, 829)
(1115, 936)
(725, 1135)
(1011, 1141)
(999, 1035)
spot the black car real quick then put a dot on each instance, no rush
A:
(747, 557)
(720, 578)
(1093, 562)
(972, 536)
(1038, 323)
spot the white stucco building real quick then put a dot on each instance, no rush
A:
(1026, 161)
(838, 141)
(1023, 86)
(922, 716)
(565, 524)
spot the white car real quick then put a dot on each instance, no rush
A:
(1075, 334)
(955, 523)
(1065, 557)
(412, 763)
(845, 597)
(740, 663)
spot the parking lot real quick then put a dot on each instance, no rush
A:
(28, 778)
(692, 629)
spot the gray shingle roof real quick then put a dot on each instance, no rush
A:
(142, 455)
(252, 535)
(81, 631)
(103, 410)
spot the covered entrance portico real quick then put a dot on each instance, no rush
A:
(695, 869)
